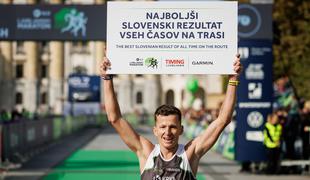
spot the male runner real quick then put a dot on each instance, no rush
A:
(169, 160)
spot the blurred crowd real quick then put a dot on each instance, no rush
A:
(16, 115)
(197, 118)
(292, 115)
(286, 132)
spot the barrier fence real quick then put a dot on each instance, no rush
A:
(21, 138)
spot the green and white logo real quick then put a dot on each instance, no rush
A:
(151, 62)
(71, 20)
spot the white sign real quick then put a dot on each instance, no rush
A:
(172, 38)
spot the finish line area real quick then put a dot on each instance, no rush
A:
(95, 164)
(100, 154)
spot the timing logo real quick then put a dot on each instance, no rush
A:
(72, 21)
(174, 62)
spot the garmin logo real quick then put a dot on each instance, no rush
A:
(4, 32)
(202, 63)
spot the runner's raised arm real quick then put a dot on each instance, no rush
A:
(202, 143)
(138, 144)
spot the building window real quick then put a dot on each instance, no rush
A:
(80, 47)
(139, 75)
(80, 70)
(19, 98)
(139, 98)
(182, 94)
(45, 48)
(43, 1)
(44, 71)
(170, 97)
(19, 71)
(44, 98)
(20, 47)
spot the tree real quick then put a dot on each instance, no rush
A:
(292, 44)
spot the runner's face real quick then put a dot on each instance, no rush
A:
(167, 130)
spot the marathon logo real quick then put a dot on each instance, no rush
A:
(136, 62)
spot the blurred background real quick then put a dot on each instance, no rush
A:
(53, 120)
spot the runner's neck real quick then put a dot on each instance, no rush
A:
(168, 154)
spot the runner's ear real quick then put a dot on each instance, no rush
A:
(155, 130)
(182, 130)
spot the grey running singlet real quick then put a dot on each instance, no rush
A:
(176, 168)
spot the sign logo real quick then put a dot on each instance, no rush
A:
(254, 71)
(157, 177)
(249, 20)
(244, 52)
(79, 82)
(136, 62)
(255, 90)
(4, 32)
(202, 63)
(151, 62)
(37, 13)
(71, 20)
(38, 20)
(174, 62)
(255, 119)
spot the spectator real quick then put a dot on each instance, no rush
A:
(305, 128)
(25, 113)
(245, 166)
(272, 142)
(4, 116)
(15, 115)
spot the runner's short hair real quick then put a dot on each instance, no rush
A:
(166, 110)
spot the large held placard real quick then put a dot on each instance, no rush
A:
(172, 37)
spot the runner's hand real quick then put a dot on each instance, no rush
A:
(237, 68)
(104, 66)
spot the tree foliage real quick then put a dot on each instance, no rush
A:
(292, 43)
